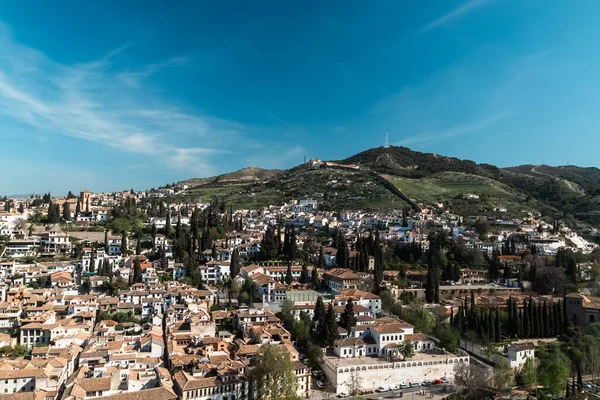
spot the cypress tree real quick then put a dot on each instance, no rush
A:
(235, 264)
(153, 233)
(518, 320)
(137, 271)
(138, 244)
(546, 321)
(77, 209)
(430, 286)
(498, 326)
(124, 250)
(168, 223)
(288, 274)
(67, 211)
(331, 324)
(510, 321)
(540, 319)
(348, 319)
(320, 312)
(526, 320)
(521, 326)
(304, 275)
(178, 228)
(92, 267)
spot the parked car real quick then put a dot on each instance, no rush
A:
(404, 386)
(383, 389)
(394, 387)
(427, 383)
(320, 384)
(437, 382)
(415, 384)
(445, 380)
(343, 394)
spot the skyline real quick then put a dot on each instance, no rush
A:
(142, 94)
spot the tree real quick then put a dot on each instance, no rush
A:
(320, 311)
(342, 254)
(469, 376)
(552, 376)
(314, 279)
(137, 271)
(330, 326)
(268, 246)
(168, 223)
(66, 211)
(482, 227)
(77, 209)
(348, 319)
(287, 312)
(288, 274)
(273, 374)
(303, 275)
(124, 250)
(407, 349)
(235, 264)
(138, 243)
(92, 267)
(528, 373)
(503, 374)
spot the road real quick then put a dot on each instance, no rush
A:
(413, 393)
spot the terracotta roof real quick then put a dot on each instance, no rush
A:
(349, 342)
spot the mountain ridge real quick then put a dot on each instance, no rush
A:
(556, 191)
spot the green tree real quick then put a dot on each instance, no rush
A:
(304, 275)
(287, 312)
(124, 250)
(348, 319)
(92, 267)
(137, 271)
(528, 374)
(330, 327)
(66, 211)
(235, 263)
(268, 246)
(407, 349)
(288, 274)
(320, 311)
(273, 374)
(314, 279)
(553, 374)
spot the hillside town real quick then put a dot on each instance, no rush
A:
(132, 295)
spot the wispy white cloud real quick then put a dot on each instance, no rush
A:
(454, 14)
(429, 138)
(90, 102)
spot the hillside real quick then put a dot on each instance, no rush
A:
(557, 192)
(334, 189)
(244, 175)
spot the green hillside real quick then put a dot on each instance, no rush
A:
(452, 187)
(566, 192)
(334, 189)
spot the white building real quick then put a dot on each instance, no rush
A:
(519, 353)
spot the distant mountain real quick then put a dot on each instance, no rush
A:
(386, 175)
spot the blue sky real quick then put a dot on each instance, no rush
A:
(107, 95)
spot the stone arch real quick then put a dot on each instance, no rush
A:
(364, 368)
(346, 370)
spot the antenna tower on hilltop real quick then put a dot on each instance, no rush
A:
(387, 143)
